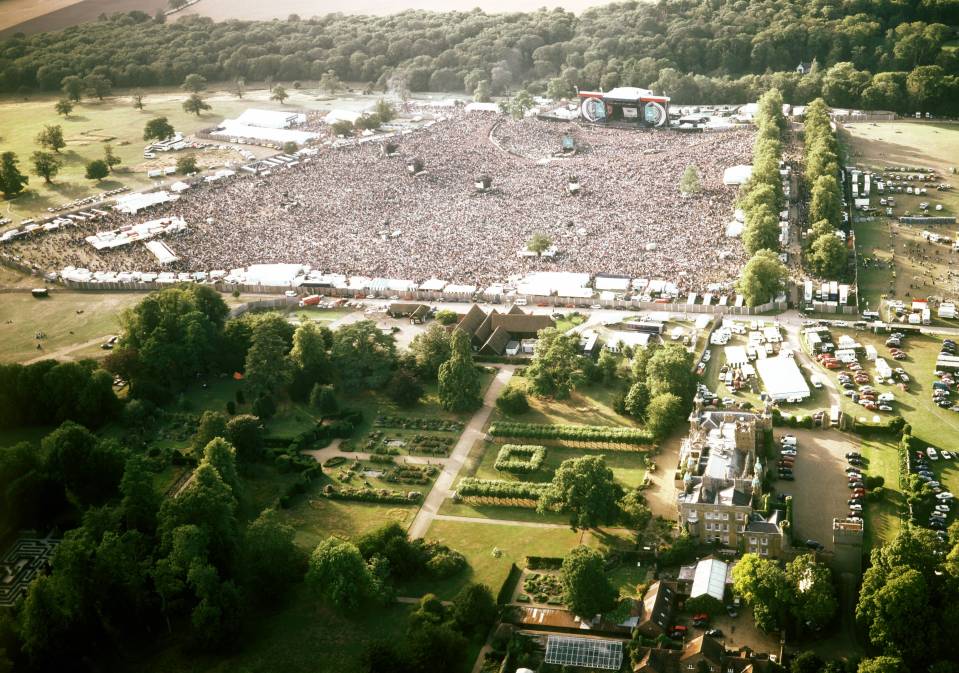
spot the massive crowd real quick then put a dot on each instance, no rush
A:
(351, 210)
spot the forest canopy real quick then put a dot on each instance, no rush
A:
(876, 51)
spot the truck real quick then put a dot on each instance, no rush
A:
(312, 300)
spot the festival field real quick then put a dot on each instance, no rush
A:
(93, 124)
(913, 267)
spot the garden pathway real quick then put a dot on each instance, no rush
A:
(474, 431)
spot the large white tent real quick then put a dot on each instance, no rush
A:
(782, 378)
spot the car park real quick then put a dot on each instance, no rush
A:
(931, 452)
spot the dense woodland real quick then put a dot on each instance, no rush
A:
(871, 53)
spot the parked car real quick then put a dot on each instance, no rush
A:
(815, 544)
(946, 455)
(931, 452)
(856, 484)
(715, 633)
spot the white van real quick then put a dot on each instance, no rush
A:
(816, 381)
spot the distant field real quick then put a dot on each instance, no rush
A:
(36, 16)
(885, 144)
(93, 124)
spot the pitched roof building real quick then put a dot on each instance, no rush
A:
(700, 654)
(491, 332)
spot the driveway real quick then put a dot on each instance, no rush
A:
(820, 490)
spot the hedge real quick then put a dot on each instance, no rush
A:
(583, 434)
(544, 562)
(497, 488)
(520, 458)
(371, 495)
(406, 423)
(895, 426)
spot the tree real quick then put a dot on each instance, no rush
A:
(268, 368)
(89, 469)
(663, 413)
(806, 662)
(446, 317)
(290, 147)
(310, 359)
(158, 128)
(539, 243)
(273, 560)
(279, 94)
(195, 105)
(587, 591)
(826, 202)
(689, 183)
(828, 257)
(72, 87)
(637, 399)
(330, 83)
(430, 349)
(520, 104)
(343, 127)
(186, 165)
(97, 170)
(110, 158)
(762, 278)
(474, 609)
(882, 665)
(559, 88)
(405, 389)
(51, 138)
(339, 575)
(555, 368)
(194, 83)
(765, 588)
(140, 502)
(894, 612)
(482, 92)
(177, 4)
(245, 433)
(762, 230)
(384, 111)
(459, 382)
(323, 399)
(512, 401)
(222, 456)
(815, 601)
(46, 165)
(239, 87)
(64, 107)
(363, 357)
(97, 85)
(585, 489)
(670, 370)
(137, 101)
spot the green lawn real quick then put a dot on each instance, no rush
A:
(478, 541)
(587, 405)
(316, 518)
(68, 318)
(301, 637)
(882, 518)
(569, 321)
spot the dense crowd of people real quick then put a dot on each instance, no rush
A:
(352, 210)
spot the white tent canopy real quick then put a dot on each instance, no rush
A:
(782, 378)
(710, 579)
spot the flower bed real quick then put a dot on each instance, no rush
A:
(371, 495)
(543, 588)
(520, 458)
(405, 423)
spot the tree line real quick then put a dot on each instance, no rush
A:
(865, 51)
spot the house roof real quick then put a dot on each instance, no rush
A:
(472, 320)
(710, 579)
(497, 341)
(485, 328)
(710, 648)
(657, 604)
(521, 323)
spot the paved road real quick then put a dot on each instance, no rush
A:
(452, 467)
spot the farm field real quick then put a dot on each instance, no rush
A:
(891, 264)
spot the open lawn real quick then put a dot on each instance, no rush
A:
(92, 124)
(301, 636)
(478, 541)
(882, 518)
(890, 265)
(587, 405)
(316, 518)
(69, 319)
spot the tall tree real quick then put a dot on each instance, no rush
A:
(587, 591)
(339, 574)
(815, 601)
(279, 94)
(46, 165)
(97, 170)
(663, 413)
(459, 382)
(64, 107)
(51, 137)
(110, 158)
(763, 584)
(195, 105)
(431, 348)
(273, 560)
(474, 609)
(762, 278)
(363, 357)
(268, 368)
(158, 128)
(194, 83)
(97, 85)
(138, 100)
(310, 358)
(140, 502)
(72, 88)
(555, 368)
(585, 489)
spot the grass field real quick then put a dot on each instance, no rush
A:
(587, 405)
(882, 518)
(69, 319)
(92, 124)
(900, 272)
(302, 636)
(478, 541)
